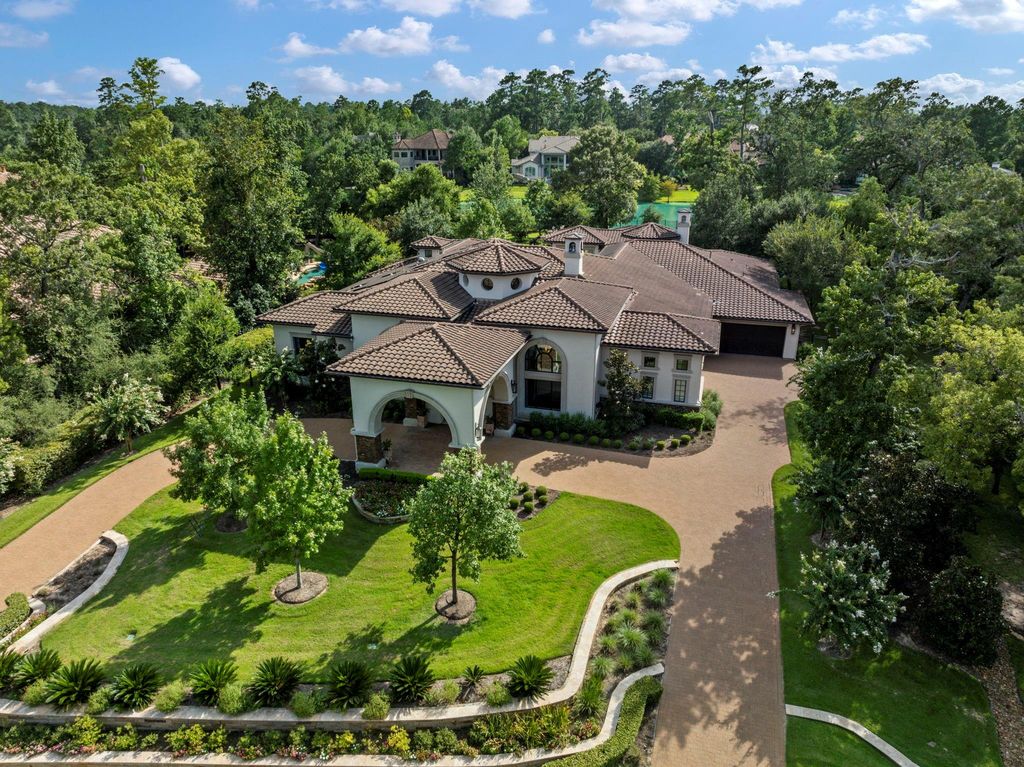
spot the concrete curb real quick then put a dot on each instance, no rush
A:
(35, 607)
(399, 520)
(283, 718)
(532, 757)
(31, 640)
(856, 728)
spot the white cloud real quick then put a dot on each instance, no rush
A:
(632, 33)
(999, 71)
(865, 18)
(425, 7)
(968, 89)
(658, 76)
(690, 10)
(34, 10)
(631, 62)
(788, 75)
(334, 5)
(409, 38)
(325, 81)
(546, 36)
(878, 47)
(248, 5)
(178, 73)
(46, 88)
(984, 15)
(295, 47)
(478, 86)
(506, 9)
(13, 36)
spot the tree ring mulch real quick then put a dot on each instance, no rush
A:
(229, 523)
(313, 585)
(459, 612)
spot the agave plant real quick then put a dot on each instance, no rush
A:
(74, 683)
(350, 683)
(275, 681)
(529, 677)
(472, 676)
(38, 665)
(210, 677)
(135, 686)
(410, 679)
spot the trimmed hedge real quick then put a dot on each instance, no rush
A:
(75, 442)
(631, 716)
(394, 475)
(16, 613)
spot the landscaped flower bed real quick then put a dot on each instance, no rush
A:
(381, 494)
(529, 500)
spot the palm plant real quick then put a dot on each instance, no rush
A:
(38, 665)
(210, 677)
(275, 681)
(411, 678)
(350, 683)
(135, 686)
(74, 683)
(529, 677)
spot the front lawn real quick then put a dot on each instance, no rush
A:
(818, 744)
(930, 711)
(180, 596)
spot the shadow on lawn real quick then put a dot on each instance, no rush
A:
(723, 663)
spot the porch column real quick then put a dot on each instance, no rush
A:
(412, 410)
(369, 451)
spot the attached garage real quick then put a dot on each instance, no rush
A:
(763, 340)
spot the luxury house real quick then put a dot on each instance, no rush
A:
(480, 333)
(430, 147)
(544, 156)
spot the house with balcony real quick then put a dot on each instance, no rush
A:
(427, 148)
(479, 334)
(544, 156)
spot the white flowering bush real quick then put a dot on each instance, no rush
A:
(6, 465)
(847, 588)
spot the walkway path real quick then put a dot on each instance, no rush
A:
(45, 549)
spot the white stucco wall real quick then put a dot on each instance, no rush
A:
(664, 374)
(462, 408)
(285, 335)
(580, 353)
(473, 284)
(368, 326)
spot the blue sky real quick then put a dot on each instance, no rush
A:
(56, 50)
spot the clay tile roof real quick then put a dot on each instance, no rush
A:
(737, 294)
(315, 311)
(649, 231)
(431, 241)
(427, 295)
(439, 352)
(432, 139)
(591, 235)
(570, 304)
(673, 332)
(497, 257)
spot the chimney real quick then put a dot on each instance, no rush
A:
(573, 256)
(683, 219)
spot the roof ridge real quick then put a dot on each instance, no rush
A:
(455, 355)
(698, 336)
(366, 348)
(741, 278)
(586, 311)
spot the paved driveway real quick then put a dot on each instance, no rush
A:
(723, 699)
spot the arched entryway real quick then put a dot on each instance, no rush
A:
(499, 412)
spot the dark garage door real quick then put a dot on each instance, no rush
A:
(765, 340)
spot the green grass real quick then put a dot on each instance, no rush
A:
(817, 744)
(32, 512)
(189, 597)
(516, 192)
(905, 697)
(681, 195)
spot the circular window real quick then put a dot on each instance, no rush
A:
(487, 283)
(516, 283)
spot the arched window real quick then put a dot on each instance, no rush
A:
(542, 371)
(572, 247)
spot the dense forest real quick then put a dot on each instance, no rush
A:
(898, 213)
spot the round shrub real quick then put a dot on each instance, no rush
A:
(234, 699)
(74, 683)
(648, 444)
(306, 704)
(659, 445)
(962, 614)
(542, 490)
(529, 677)
(542, 500)
(686, 439)
(377, 706)
(497, 694)
(350, 683)
(275, 681)
(170, 696)
(134, 687)
(535, 433)
(99, 701)
(594, 441)
(606, 442)
(410, 679)
(523, 487)
(513, 504)
(210, 677)
(549, 435)
(564, 436)
(35, 694)
(579, 439)
(673, 443)
(634, 444)
(617, 444)
(528, 507)
(527, 496)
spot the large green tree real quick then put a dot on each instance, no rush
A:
(354, 249)
(603, 172)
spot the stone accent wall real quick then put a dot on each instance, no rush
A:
(369, 449)
(411, 407)
(502, 415)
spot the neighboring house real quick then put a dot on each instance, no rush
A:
(544, 156)
(430, 147)
(481, 333)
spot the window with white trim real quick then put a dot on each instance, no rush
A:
(647, 387)
(679, 387)
(682, 364)
(650, 361)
